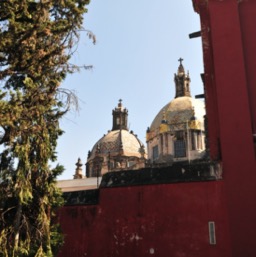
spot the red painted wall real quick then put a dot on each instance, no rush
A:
(247, 14)
(229, 40)
(153, 220)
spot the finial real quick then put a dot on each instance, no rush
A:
(79, 170)
(79, 163)
(120, 103)
(180, 60)
(181, 71)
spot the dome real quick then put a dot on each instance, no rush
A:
(180, 110)
(118, 141)
(118, 150)
(177, 132)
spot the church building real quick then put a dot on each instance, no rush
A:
(177, 134)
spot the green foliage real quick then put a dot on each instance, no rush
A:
(37, 38)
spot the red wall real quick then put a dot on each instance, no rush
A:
(153, 220)
(229, 40)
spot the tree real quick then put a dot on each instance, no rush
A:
(37, 39)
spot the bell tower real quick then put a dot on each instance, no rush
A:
(120, 115)
(182, 82)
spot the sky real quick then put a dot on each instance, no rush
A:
(134, 59)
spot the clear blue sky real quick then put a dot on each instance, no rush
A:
(135, 58)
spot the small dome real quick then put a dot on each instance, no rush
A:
(180, 110)
(115, 142)
(118, 150)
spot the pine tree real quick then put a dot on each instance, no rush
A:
(37, 39)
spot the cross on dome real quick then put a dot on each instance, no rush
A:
(180, 60)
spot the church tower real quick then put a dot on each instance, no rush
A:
(182, 81)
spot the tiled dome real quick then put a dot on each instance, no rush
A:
(118, 141)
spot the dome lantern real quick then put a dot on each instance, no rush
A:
(182, 82)
(120, 115)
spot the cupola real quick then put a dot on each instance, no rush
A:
(120, 117)
(182, 81)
